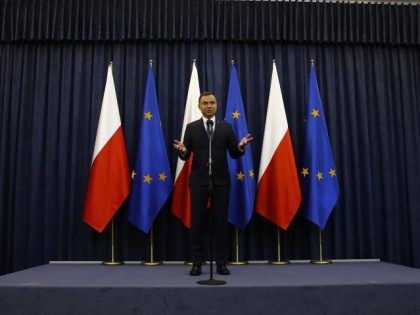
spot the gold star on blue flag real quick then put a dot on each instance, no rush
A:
(319, 192)
(148, 196)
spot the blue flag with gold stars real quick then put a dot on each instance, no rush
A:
(152, 182)
(242, 190)
(318, 174)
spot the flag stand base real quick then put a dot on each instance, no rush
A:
(112, 263)
(320, 262)
(152, 263)
(279, 262)
(238, 262)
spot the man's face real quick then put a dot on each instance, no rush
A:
(208, 106)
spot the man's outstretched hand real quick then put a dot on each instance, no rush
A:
(244, 142)
(180, 147)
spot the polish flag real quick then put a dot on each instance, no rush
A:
(109, 178)
(278, 191)
(181, 203)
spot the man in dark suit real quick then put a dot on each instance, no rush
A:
(198, 136)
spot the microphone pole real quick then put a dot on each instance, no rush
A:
(211, 281)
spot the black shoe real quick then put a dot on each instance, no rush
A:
(195, 270)
(222, 270)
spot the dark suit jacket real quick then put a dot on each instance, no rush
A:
(196, 141)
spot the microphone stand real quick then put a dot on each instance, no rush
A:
(211, 281)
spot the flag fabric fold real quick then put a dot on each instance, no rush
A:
(243, 181)
(109, 178)
(181, 203)
(318, 176)
(278, 191)
(151, 176)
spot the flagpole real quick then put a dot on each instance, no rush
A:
(112, 262)
(240, 208)
(318, 209)
(237, 261)
(279, 261)
(151, 262)
(189, 262)
(321, 261)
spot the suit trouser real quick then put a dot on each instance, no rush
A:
(219, 207)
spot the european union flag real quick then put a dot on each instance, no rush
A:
(242, 190)
(318, 174)
(152, 182)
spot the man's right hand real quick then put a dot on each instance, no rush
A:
(180, 147)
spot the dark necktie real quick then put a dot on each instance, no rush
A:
(209, 127)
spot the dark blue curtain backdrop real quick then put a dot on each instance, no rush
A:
(52, 78)
(256, 20)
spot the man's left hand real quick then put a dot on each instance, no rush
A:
(244, 142)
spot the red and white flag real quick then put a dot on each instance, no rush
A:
(181, 203)
(278, 191)
(109, 178)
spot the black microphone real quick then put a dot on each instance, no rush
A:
(209, 126)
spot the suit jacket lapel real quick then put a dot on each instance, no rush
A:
(217, 129)
(202, 128)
